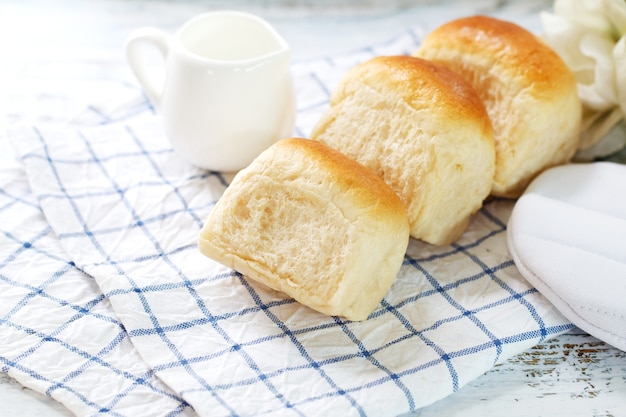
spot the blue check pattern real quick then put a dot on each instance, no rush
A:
(99, 267)
(52, 313)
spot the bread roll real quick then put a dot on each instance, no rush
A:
(424, 130)
(529, 92)
(308, 221)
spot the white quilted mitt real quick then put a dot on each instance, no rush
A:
(567, 235)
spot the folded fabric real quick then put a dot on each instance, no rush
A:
(59, 334)
(567, 235)
(127, 211)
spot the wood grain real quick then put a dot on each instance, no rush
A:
(572, 375)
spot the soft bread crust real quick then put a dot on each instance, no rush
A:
(308, 221)
(424, 130)
(530, 94)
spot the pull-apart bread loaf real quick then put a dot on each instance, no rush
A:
(529, 92)
(308, 221)
(424, 130)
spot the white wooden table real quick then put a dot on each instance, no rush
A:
(55, 56)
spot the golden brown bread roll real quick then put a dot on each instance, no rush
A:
(424, 130)
(529, 92)
(306, 220)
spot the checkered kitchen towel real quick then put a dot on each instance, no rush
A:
(107, 305)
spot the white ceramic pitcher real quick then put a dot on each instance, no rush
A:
(227, 93)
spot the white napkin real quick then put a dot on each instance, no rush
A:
(126, 210)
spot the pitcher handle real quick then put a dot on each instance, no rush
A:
(135, 44)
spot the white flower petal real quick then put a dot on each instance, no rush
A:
(590, 37)
(616, 14)
(587, 13)
(564, 37)
(600, 49)
(619, 59)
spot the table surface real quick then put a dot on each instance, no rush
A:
(56, 56)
